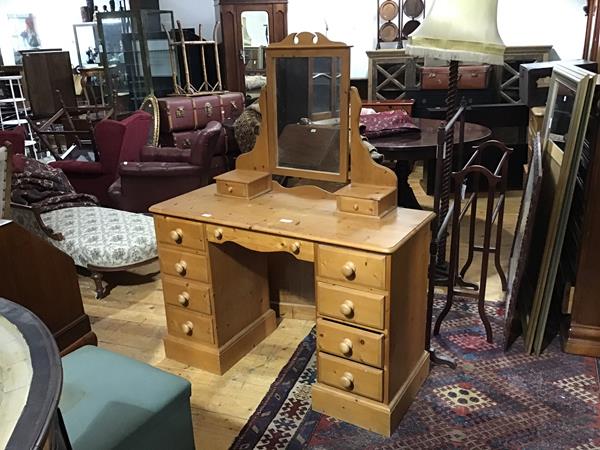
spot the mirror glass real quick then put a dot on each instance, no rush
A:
(308, 113)
(562, 111)
(255, 37)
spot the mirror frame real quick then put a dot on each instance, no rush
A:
(302, 45)
(583, 83)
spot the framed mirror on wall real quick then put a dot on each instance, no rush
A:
(563, 132)
(309, 136)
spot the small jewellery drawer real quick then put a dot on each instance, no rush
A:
(186, 294)
(243, 183)
(233, 189)
(350, 376)
(262, 242)
(350, 305)
(183, 265)
(357, 205)
(361, 268)
(183, 233)
(188, 325)
(349, 342)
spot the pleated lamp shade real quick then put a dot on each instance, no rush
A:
(460, 30)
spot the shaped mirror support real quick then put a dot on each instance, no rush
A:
(310, 129)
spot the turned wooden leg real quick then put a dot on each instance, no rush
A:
(100, 289)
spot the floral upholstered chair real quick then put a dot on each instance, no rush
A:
(97, 238)
(101, 239)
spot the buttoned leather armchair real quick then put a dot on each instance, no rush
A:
(166, 172)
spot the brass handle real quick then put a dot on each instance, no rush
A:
(295, 247)
(187, 328)
(347, 380)
(347, 308)
(218, 234)
(349, 270)
(346, 347)
(183, 298)
(181, 267)
(176, 235)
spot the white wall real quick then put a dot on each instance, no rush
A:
(192, 13)
(560, 23)
(54, 23)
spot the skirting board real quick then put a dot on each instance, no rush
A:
(220, 360)
(581, 339)
(373, 416)
(295, 311)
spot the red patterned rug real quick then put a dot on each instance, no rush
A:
(493, 400)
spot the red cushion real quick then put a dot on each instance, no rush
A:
(16, 137)
(18, 163)
(386, 123)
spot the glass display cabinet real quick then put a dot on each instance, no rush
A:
(135, 54)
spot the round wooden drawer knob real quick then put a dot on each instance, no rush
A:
(349, 270)
(346, 347)
(347, 308)
(181, 267)
(295, 247)
(176, 235)
(230, 189)
(218, 234)
(355, 207)
(184, 298)
(347, 380)
(187, 328)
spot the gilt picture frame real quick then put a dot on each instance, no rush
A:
(564, 152)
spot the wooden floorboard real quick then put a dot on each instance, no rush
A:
(131, 321)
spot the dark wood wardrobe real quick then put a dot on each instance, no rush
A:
(237, 58)
(581, 303)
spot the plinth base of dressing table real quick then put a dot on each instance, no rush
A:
(374, 416)
(220, 360)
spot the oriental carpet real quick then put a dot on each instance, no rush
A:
(493, 400)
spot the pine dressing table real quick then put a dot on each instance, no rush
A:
(370, 258)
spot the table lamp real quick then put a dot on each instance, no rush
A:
(460, 30)
(454, 30)
(457, 30)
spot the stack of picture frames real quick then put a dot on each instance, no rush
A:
(535, 286)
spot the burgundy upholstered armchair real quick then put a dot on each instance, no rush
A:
(116, 142)
(166, 172)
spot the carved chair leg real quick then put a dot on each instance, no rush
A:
(100, 289)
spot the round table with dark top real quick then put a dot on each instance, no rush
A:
(419, 145)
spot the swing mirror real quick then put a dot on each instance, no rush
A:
(308, 94)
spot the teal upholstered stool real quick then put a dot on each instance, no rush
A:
(110, 401)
